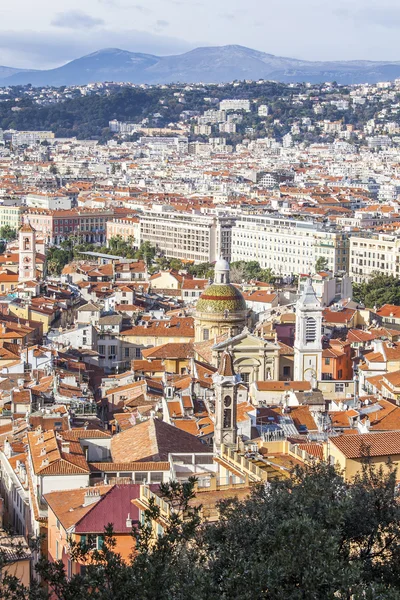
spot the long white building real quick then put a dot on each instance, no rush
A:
(187, 236)
(287, 246)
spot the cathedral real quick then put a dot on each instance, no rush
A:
(221, 308)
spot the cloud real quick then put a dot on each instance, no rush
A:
(162, 23)
(370, 14)
(385, 16)
(76, 19)
(228, 16)
(140, 8)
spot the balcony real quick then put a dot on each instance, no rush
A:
(255, 472)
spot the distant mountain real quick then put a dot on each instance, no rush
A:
(8, 71)
(217, 64)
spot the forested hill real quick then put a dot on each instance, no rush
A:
(88, 116)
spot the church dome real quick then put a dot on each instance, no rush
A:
(221, 297)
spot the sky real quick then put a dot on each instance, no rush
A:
(46, 34)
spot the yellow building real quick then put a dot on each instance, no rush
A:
(348, 452)
(221, 308)
(11, 215)
(30, 313)
(16, 549)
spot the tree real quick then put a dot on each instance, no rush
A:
(7, 233)
(312, 536)
(53, 169)
(380, 289)
(146, 252)
(321, 264)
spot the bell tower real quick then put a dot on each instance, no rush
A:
(308, 338)
(27, 252)
(225, 382)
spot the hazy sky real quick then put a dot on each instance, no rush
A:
(45, 33)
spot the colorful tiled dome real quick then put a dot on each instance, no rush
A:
(219, 297)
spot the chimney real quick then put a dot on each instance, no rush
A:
(91, 496)
(65, 447)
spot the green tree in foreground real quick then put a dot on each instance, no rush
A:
(380, 289)
(311, 537)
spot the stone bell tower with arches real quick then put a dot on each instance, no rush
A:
(225, 382)
(308, 338)
(27, 252)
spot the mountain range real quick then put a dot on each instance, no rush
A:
(218, 64)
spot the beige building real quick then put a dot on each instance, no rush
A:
(374, 253)
(128, 228)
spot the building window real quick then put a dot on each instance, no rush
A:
(206, 334)
(245, 377)
(126, 352)
(100, 542)
(339, 388)
(138, 353)
(286, 371)
(327, 361)
(311, 329)
(327, 376)
(102, 350)
(227, 418)
(57, 550)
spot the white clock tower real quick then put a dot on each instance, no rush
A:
(27, 252)
(308, 338)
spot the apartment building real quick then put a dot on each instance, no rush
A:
(11, 215)
(188, 236)
(287, 246)
(374, 252)
(28, 138)
(128, 228)
(49, 201)
(88, 225)
(235, 104)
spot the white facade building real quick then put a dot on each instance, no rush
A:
(48, 201)
(286, 246)
(235, 104)
(189, 236)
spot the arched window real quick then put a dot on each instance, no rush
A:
(26, 243)
(311, 329)
(206, 334)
